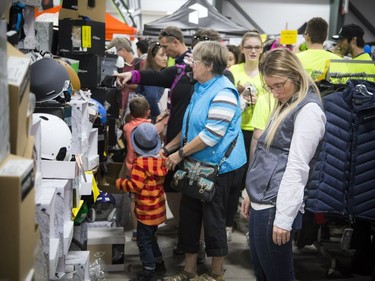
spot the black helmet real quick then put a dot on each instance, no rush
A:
(47, 79)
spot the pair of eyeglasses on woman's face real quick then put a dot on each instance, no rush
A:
(278, 87)
(249, 47)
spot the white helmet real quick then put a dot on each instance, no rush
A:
(55, 136)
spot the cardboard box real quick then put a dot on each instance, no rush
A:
(62, 111)
(36, 132)
(4, 96)
(17, 213)
(60, 169)
(88, 69)
(111, 242)
(80, 262)
(81, 36)
(96, 13)
(47, 217)
(44, 35)
(33, 3)
(19, 89)
(91, 157)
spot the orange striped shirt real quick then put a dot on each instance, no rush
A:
(146, 182)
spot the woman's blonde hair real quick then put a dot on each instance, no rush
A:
(212, 53)
(283, 63)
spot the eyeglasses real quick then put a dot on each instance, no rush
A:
(195, 62)
(201, 38)
(256, 48)
(279, 87)
(164, 33)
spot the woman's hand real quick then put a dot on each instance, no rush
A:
(245, 205)
(123, 78)
(280, 236)
(173, 160)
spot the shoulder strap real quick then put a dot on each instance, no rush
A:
(180, 73)
(137, 63)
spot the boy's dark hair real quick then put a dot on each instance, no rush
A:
(138, 107)
(317, 28)
(142, 45)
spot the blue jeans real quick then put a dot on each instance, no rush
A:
(271, 262)
(148, 247)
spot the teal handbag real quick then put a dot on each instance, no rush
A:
(196, 179)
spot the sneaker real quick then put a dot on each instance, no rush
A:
(134, 236)
(169, 229)
(247, 238)
(182, 276)
(208, 277)
(177, 251)
(229, 233)
(145, 275)
(201, 253)
(160, 268)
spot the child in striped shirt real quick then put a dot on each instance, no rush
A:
(146, 182)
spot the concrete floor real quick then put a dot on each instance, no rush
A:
(309, 262)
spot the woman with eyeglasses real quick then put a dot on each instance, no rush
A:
(211, 126)
(156, 59)
(248, 83)
(284, 158)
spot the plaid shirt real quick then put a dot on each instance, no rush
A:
(146, 182)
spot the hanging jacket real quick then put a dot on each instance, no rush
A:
(344, 178)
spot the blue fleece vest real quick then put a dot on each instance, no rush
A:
(198, 107)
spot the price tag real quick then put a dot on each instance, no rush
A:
(288, 37)
(86, 36)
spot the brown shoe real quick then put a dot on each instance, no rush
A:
(182, 276)
(209, 277)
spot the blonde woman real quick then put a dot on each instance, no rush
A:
(284, 157)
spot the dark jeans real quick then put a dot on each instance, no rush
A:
(213, 215)
(271, 262)
(234, 196)
(149, 250)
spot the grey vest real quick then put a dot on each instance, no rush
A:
(265, 173)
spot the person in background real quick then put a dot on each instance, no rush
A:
(172, 41)
(213, 117)
(139, 113)
(315, 58)
(351, 43)
(142, 47)
(233, 55)
(146, 182)
(285, 154)
(124, 49)
(156, 59)
(246, 74)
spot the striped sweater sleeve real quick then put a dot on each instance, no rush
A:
(136, 182)
(220, 114)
